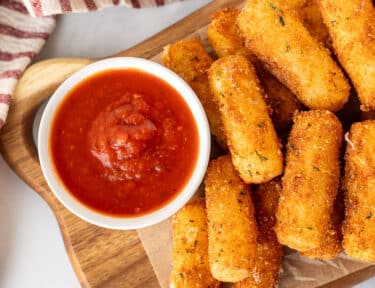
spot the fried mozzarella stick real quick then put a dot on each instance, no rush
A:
(278, 98)
(351, 24)
(310, 181)
(251, 137)
(311, 17)
(190, 61)
(331, 246)
(265, 272)
(223, 36)
(359, 184)
(232, 231)
(190, 248)
(279, 39)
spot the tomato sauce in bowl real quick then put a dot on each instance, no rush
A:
(124, 142)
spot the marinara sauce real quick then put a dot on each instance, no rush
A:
(124, 142)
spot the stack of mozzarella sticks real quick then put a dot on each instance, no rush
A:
(283, 69)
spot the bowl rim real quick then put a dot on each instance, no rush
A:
(89, 214)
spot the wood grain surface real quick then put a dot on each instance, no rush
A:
(101, 258)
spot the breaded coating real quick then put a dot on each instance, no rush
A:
(291, 4)
(279, 39)
(310, 181)
(232, 231)
(278, 98)
(266, 198)
(265, 272)
(251, 137)
(190, 61)
(332, 245)
(311, 17)
(351, 24)
(222, 34)
(359, 186)
(190, 248)
(224, 39)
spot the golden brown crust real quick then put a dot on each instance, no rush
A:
(332, 245)
(351, 24)
(225, 40)
(291, 4)
(310, 181)
(232, 231)
(266, 198)
(359, 184)
(279, 39)
(223, 35)
(190, 61)
(190, 248)
(251, 137)
(265, 272)
(311, 17)
(352, 27)
(278, 98)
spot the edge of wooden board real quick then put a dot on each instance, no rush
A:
(179, 30)
(147, 49)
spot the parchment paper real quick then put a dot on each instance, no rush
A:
(296, 271)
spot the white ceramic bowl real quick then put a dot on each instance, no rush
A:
(83, 211)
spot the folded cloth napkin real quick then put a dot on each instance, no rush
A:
(26, 25)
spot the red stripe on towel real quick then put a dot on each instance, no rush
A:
(6, 56)
(37, 7)
(65, 6)
(91, 5)
(14, 5)
(136, 4)
(5, 98)
(11, 31)
(11, 74)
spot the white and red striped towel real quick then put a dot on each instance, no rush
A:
(24, 28)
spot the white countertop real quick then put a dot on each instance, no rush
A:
(32, 253)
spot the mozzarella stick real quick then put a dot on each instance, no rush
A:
(292, 4)
(266, 198)
(311, 17)
(232, 231)
(310, 181)
(351, 24)
(190, 248)
(331, 246)
(265, 272)
(279, 39)
(190, 61)
(251, 137)
(359, 186)
(223, 36)
(278, 98)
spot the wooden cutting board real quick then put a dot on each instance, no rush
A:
(101, 258)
